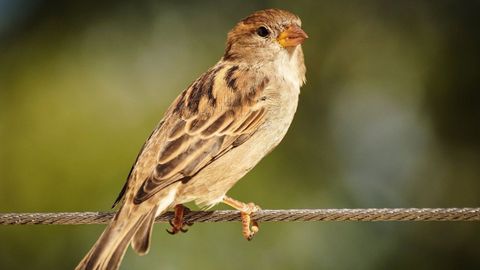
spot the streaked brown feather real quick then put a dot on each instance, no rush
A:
(221, 122)
(177, 130)
(200, 127)
(174, 148)
(141, 239)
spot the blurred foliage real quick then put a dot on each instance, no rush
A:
(390, 117)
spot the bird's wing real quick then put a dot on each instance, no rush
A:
(218, 112)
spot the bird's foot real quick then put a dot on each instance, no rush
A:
(178, 223)
(249, 226)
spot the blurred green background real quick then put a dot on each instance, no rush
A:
(390, 117)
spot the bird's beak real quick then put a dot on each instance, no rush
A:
(292, 36)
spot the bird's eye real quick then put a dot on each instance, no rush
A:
(263, 32)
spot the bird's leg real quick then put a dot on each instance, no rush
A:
(249, 227)
(178, 222)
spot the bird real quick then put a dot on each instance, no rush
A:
(213, 133)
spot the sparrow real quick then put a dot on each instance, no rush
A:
(214, 132)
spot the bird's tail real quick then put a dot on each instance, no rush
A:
(108, 251)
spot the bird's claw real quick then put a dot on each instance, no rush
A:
(249, 227)
(175, 230)
(177, 222)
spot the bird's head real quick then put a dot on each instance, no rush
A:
(265, 34)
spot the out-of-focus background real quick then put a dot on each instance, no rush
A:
(390, 117)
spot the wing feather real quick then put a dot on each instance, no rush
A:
(201, 130)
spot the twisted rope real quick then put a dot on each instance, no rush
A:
(371, 214)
